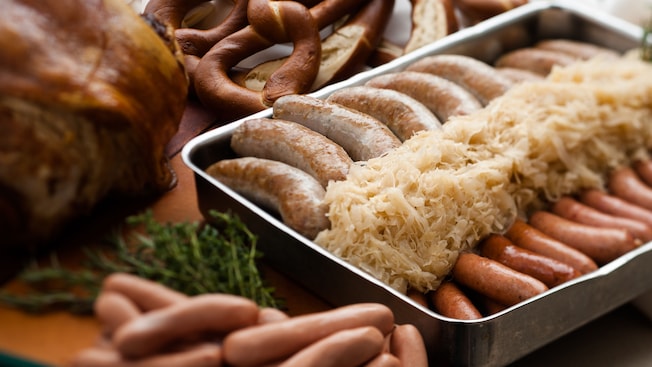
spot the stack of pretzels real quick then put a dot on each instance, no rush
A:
(354, 28)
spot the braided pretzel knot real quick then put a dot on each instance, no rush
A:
(270, 22)
(171, 12)
(198, 41)
(221, 48)
(345, 52)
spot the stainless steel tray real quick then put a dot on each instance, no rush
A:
(491, 341)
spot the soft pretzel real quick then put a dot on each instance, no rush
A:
(171, 12)
(344, 52)
(198, 41)
(194, 42)
(329, 11)
(271, 22)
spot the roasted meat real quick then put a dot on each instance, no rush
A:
(90, 94)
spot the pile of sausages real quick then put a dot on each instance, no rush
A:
(285, 162)
(574, 236)
(147, 324)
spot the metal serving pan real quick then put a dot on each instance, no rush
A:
(491, 341)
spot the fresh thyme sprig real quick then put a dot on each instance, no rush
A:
(192, 258)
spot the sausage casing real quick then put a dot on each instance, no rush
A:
(443, 97)
(403, 114)
(518, 75)
(550, 271)
(407, 344)
(449, 300)
(625, 183)
(576, 211)
(530, 238)
(476, 76)
(578, 49)
(344, 348)
(537, 60)
(495, 280)
(299, 332)
(113, 310)
(200, 355)
(155, 330)
(643, 168)
(614, 205)
(277, 186)
(600, 244)
(294, 144)
(362, 136)
(146, 294)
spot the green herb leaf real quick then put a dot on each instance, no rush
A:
(193, 258)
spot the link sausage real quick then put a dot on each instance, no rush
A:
(614, 205)
(362, 136)
(449, 300)
(550, 271)
(577, 49)
(294, 144)
(418, 297)
(344, 348)
(384, 360)
(403, 114)
(571, 209)
(530, 238)
(644, 170)
(476, 76)
(601, 244)
(270, 314)
(491, 306)
(300, 331)
(518, 75)
(201, 355)
(113, 310)
(407, 344)
(625, 183)
(443, 97)
(293, 193)
(537, 60)
(146, 294)
(155, 330)
(495, 280)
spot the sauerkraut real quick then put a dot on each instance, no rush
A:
(404, 217)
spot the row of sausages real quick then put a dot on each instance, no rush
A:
(285, 162)
(574, 236)
(147, 324)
